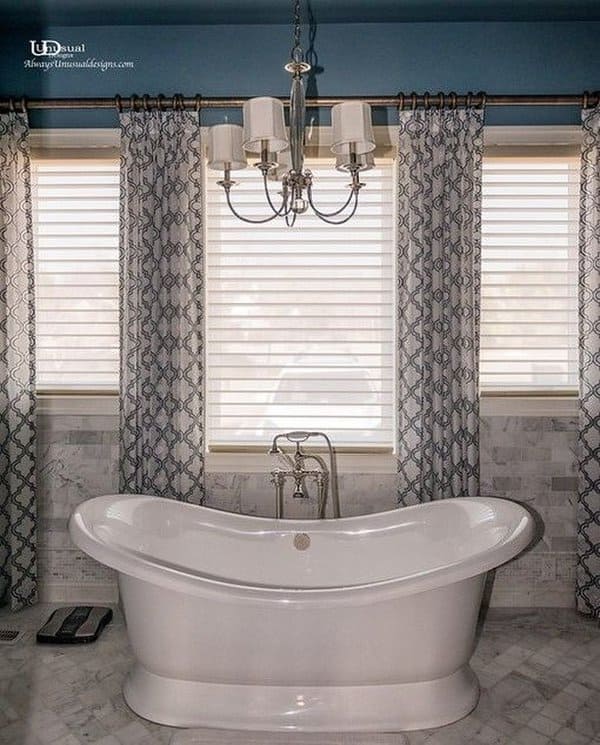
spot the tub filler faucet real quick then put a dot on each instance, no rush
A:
(322, 475)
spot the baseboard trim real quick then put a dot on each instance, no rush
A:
(89, 593)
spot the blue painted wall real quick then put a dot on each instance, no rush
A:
(358, 59)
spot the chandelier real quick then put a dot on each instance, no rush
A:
(264, 132)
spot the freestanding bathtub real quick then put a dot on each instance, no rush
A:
(357, 624)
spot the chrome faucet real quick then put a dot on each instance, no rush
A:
(296, 469)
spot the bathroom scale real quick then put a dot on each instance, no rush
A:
(79, 624)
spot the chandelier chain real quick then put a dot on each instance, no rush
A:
(296, 49)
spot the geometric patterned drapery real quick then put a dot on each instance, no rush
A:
(161, 315)
(18, 580)
(588, 507)
(439, 269)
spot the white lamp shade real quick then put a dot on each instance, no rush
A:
(351, 122)
(225, 148)
(365, 161)
(263, 120)
(284, 164)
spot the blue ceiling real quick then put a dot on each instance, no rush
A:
(173, 12)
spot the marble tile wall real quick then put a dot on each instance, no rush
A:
(533, 460)
(77, 460)
(530, 459)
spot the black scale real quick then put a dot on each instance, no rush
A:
(78, 624)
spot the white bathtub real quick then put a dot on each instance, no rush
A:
(236, 622)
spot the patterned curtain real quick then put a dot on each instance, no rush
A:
(439, 250)
(18, 583)
(161, 396)
(588, 508)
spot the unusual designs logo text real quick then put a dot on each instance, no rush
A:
(52, 48)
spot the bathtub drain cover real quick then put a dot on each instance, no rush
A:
(301, 541)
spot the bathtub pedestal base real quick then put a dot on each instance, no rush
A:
(367, 708)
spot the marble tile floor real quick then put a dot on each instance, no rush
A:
(539, 670)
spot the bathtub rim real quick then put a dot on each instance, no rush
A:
(182, 579)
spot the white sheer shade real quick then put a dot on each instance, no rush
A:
(529, 315)
(351, 123)
(76, 238)
(225, 148)
(264, 120)
(300, 323)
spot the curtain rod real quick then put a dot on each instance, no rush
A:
(401, 100)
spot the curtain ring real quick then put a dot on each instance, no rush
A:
(469, 101)
(11, 105)
(585, 100)
(159, 101)
(413, 100)
(145, 98)
(198, 100)
(442, 100)
(426, 100)
(119, 103)
(483, 99)
(23, 105)
(133, 102)
(401, 101)
(181, 102)
(453, 99)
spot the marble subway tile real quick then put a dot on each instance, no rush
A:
(529, 459)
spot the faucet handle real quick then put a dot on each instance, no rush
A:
(297, 436)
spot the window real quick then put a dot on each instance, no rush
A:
(76, 236)
(529, 272)
(300, 323)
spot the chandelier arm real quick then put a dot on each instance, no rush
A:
(325, 218)
(330, 214)
(248, 219)
(285, 207)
